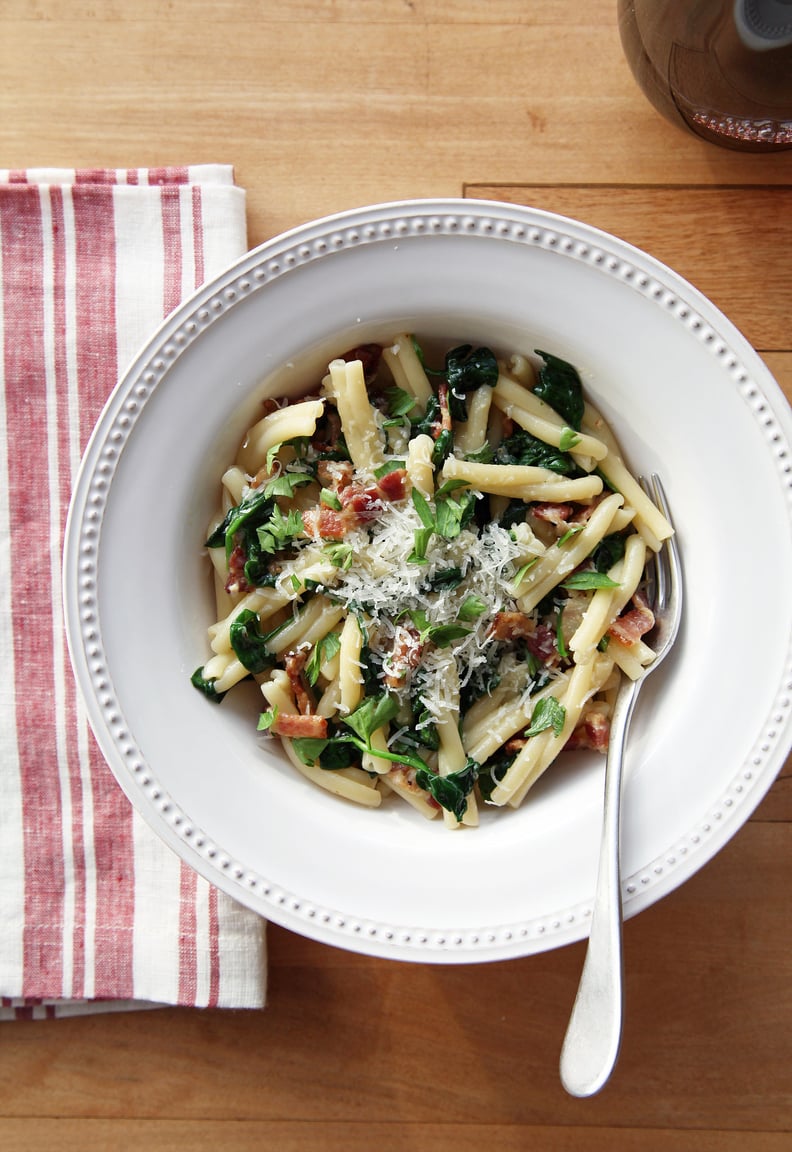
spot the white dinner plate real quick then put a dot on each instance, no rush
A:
(688, 398)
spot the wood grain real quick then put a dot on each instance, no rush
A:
(352, 1040)
(724, 240)
(324, 105)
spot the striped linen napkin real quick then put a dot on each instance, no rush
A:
(95, 912)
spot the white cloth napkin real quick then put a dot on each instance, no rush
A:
(95, 912)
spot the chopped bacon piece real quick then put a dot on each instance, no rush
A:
(327, 440)
(405, 656)
(542, 644)
(324, 522)
(511, 626)
(294, 663)
(361, 504)
(592, 732)
(552, 513)
(634, 623)
(584, 512)
(369, 356)
(292, 724)
(404, 777)
(393, 484)
(237, 582)
(445, 423)
(335, 474)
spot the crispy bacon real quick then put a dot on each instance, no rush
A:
(511, 626)
(542, 644)
(393, 484)
(237, 581)
(335, 474)
(553, 513)
(292, 724)
(404, 777)
(324, 522)
(445, 423)
(539, 638)
(405, 656)
(330, 432)
(583, 514)
(369, 356)
(359, 505)
(592, 732)
(294, 663)
(634, 623)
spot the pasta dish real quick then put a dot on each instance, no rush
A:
(433, 573)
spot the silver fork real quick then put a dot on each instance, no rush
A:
(591, 1045)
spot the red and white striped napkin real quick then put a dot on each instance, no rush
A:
(95, 912)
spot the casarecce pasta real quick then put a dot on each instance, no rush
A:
(433, 574)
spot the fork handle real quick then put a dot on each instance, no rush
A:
(591, 1044)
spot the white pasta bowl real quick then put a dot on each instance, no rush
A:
(688, 398)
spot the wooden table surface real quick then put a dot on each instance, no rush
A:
(329, 104)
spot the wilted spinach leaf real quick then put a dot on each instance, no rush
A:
(559, 386)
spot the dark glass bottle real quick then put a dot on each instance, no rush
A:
(723, 68)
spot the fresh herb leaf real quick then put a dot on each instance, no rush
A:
(279, 530)
(267, 719)
(400, 403)
(569, 438)
(548, 713)
(571, 531)
(248, 642)
(421, 538)
(559, 385)
(587, 580)
(388, 467)
(271, 454)
(441, 635)
(560, 645)
(340, 555)
(330, 499)
(471, 608)
(421, 505)
(285, 483)
(324, 650)
(371, 715)
(452, 515)
(199, 681)
(523, 571)
(309, 748)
